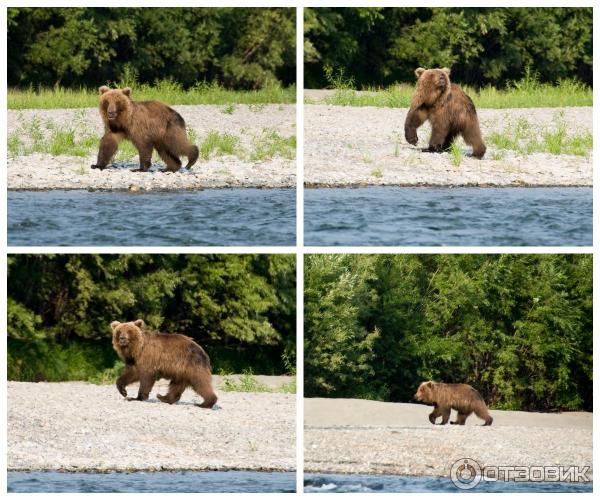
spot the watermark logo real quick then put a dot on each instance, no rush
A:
(466, 473)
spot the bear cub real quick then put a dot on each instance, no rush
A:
(171, 355)
(445, 397)
(148, 125)
(449, 110)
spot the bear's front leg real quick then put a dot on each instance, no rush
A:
(439, 134)
(128, 376)
(414, 119)
(145, 151)
(108, 147)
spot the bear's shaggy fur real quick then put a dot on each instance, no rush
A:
(449, 110)
(148, 125)
(460, 397)
(173, 356)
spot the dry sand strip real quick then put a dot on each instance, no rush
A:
(365, 146)
(370, 437)
(247, 123)
(76, 426)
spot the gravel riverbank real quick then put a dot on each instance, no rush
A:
(360, 146)
(371, 437)
(76, 426)
(250, 124)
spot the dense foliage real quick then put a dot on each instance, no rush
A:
(381, 46)
(239, 48)
(517, 327)
(241, 308)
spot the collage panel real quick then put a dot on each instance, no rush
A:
(151, 373)
(448, 373)
(455, 126)
(159, 127)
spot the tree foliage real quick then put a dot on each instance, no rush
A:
(517, 327)
(381, 46)
(241, 308)
(236, 47)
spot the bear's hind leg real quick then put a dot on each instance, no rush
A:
(472, 137)
(203, 386)
(171, 160)
(176, 389)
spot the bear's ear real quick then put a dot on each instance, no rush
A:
(104, 89)
(139, 323)
(446, 70)
(429, 383)
(126, 91)
(114, 325)
(419, 72)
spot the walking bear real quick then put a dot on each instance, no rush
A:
(148, 125)
(173, 356)
(449, 110)
(460, 397)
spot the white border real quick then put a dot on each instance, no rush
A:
(298, 249)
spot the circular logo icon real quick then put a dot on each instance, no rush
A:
(465, 473)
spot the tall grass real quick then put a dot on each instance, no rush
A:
(164, 90)
(528, 92)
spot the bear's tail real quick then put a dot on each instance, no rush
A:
(192, 155)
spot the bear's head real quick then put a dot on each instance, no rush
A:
(432, 83)
(425, 392)
(114, 103)
(127, 338)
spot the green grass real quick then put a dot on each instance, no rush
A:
(524, 138)
(526, 93)
(247, 382)
(71, 140)
(218, 144)
(377, 173)
(50, 138)
(456, 154)
(166, 91)
(270, 144)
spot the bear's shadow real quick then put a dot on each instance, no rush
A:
(179, 403)
(156, 167)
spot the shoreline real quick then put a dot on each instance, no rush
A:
(82, 427)
(365, 146)
(441, 186)
(350, 436)
(251, 151)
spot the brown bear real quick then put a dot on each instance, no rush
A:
(148, 125)
(173, 356)
(449, 110)
(460, 397)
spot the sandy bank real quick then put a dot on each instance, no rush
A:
(78, 426)
(360, 146)
(371, 437)
(248, 123)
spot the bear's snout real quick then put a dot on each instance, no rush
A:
(123, 340)
(111, 115)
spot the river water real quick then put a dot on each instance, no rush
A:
(152, 482)
(432, 216)
(212, 217)
(354, 483)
